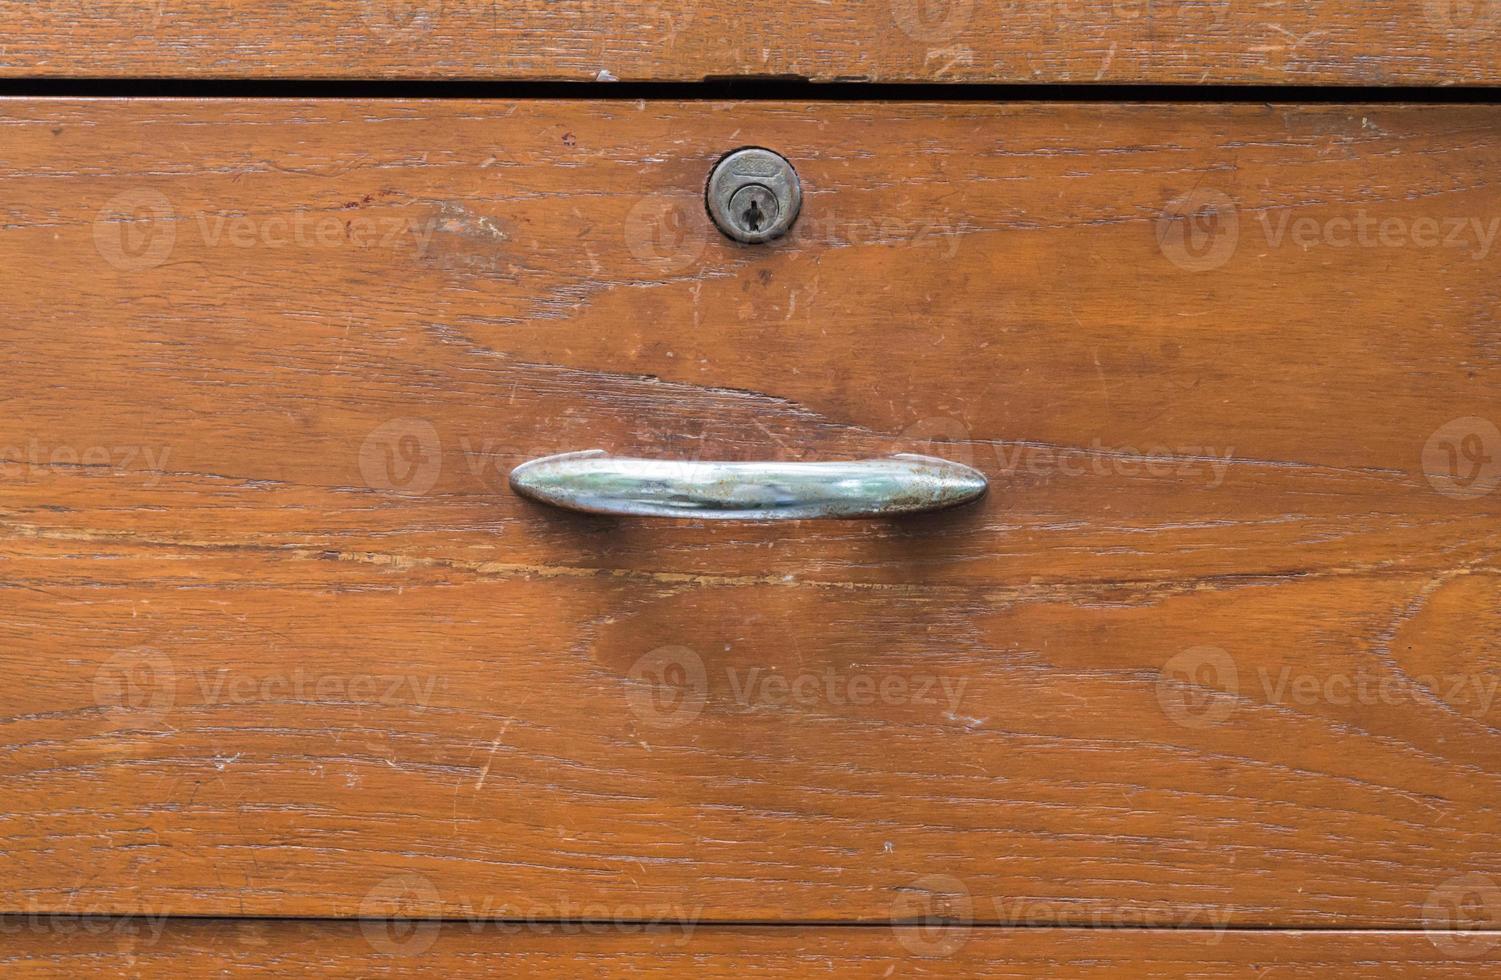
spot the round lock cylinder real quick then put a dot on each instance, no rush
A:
(753, 195)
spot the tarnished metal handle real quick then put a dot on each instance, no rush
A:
(597, 483)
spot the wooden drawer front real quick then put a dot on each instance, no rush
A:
(1219, 648)
(1193, 42)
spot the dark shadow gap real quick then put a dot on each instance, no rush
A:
(669, 924)
(760, 89)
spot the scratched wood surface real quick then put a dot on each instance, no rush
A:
(1220, 646)
(201, 948)
(1340, 42)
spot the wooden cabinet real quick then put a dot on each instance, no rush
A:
(1213, 664)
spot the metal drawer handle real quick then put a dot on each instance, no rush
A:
(597, 483)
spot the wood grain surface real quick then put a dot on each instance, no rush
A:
(1220, 647)
(1339, 42)
(202, 948)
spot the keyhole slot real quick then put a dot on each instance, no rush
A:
(754, 216)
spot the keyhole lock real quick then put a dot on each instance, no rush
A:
(754, 208)
(753, 195)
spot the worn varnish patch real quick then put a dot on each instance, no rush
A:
(1216, 648)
